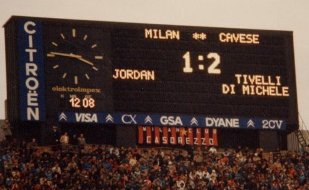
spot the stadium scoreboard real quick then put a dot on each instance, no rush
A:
(145, 74)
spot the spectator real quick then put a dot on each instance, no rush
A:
(307, 149)
(64, 141)
(7, 130)
(31, 146)
(213, 150)
(81, 141)
(108, 167)
(55, 136)
(74, 140)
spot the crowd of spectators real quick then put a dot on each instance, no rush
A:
(27, 166)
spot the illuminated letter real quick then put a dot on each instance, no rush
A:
(285, 91)
(278, 83)
(32, 83)
(255, 39)
(31, 69)
(31, 51)
(221, 37)
(238, 78)
(32, 99)
(26, 27)
(148, 33)
(115, 76)
(33, 113)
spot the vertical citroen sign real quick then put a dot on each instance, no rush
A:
(31, 71)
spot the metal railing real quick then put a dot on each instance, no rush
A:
(302, 133)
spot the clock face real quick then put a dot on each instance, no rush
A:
(77, 67)
(74, 55)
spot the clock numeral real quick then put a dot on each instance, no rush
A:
(74, 32)
(64, 75)
(50, 55)
(87, 76)
(75, 79)
(62, 36)
(98, 57)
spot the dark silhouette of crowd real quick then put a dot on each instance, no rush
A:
(26, 166)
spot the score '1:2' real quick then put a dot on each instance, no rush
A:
(213, 67)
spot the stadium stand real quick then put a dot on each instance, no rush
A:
(27, 166)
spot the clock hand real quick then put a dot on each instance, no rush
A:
(85, 60)
(66, 54)
(79, 57)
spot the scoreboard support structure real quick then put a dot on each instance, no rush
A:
(108, 79)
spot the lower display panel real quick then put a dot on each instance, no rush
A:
(155, 136)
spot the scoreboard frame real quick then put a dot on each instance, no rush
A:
(73, 71)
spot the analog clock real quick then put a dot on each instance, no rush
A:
(75, 56)
(78, 67)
